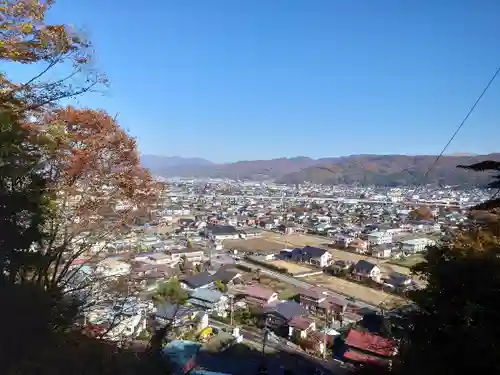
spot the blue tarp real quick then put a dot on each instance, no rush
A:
(179, 353)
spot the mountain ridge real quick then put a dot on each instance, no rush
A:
(360, 169)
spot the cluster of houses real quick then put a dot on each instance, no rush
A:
(382, 244)
(312, 320)
(360, 270)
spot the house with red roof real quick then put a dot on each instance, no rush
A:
(300, 326)
(368, 348)
(258, 295)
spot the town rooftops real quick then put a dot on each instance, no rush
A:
(259, 292)
(199, 280)
(416, 241)
(313, 293)
(364, 266)
(300, 322)
(252, 231)
(206, 295)
(221, 229)
(371, 343)
(378, 234)
(335, 301)
(287, 309)
(170, 311)
(186, 250)
(313, 252)
(145, 255)
(158, 256)
(225, 275)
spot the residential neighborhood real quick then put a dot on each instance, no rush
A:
(296, 268)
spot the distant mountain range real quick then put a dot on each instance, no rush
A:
(389, 170)
(158, 163)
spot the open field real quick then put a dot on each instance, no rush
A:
(296, 240)
(262, 245)
(407, 262)
(292, 267)
(364, 293)
(285, 291)
(300, 240)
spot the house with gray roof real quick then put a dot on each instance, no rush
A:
(200, 280)
(312, 255)
(211, 301)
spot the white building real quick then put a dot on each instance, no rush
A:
(113, 268)
(416, 245)
(379, 238)
(381, 253)
(127, 327)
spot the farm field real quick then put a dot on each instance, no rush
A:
(285, 291)
(300, 240)
(262, 245)
(296, 240)
(361, 292)
(272, 242)
(292, 267)
(407, 262)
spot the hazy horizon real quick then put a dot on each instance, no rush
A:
(304, 156)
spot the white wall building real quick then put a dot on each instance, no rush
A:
(379, 238)
(416, 245)
(113, 268)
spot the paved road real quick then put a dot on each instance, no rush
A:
(302, 284)
(340, 200)
(327, 366)
(226, 259)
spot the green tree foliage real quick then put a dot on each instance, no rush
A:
(221, 286)
(39, 334)
(170, 292)
(455, 328)
(488, 166)
(244, 317)
(24, 200)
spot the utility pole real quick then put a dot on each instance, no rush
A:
(231, 306)
(264, 339)
(324, 335)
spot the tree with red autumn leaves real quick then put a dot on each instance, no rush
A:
(69, 184)
(70, 181)
(93, 168)
(27, 38)
(422, 213)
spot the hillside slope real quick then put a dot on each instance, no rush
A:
(393, 170)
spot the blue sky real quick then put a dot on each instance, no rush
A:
(255, 79)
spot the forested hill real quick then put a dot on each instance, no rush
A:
(394, 170)
(363, 169)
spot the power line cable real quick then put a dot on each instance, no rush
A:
(458, 128)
